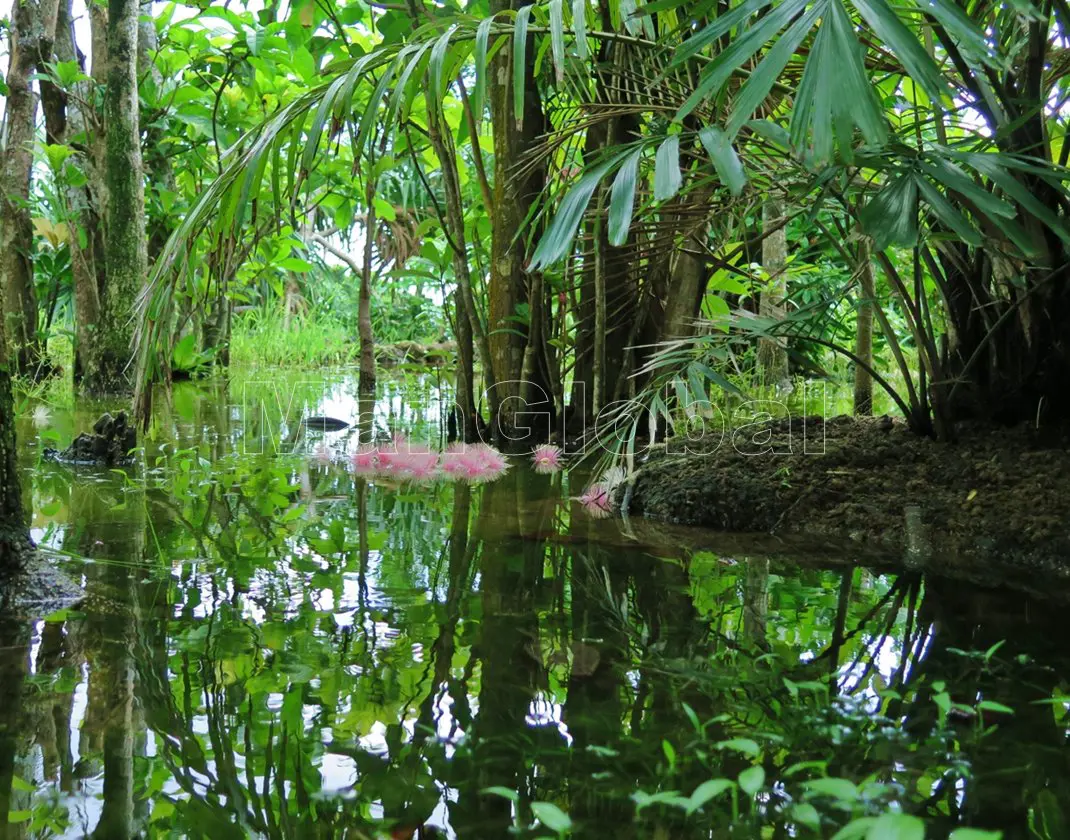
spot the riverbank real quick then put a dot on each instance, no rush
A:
(995, 493)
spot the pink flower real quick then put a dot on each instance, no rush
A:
(476, 462)
(454, 461)
(596, 501)
(547, 459)
(390, 455)
(365, 460)
(418, 463)
(490, 462)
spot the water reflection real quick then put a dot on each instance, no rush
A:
(273, 647)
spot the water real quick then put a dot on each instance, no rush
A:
(272, 647)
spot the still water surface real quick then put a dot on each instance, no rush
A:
(271, 646)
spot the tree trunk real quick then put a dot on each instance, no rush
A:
(366, 383)
(466, 305)
(687, 285)
(607, 305)
(509, 285)
(863, 392)
(31, 35)
(465, 406)
(126, 254)
(14, 538)
(772, 352)
(67, 123)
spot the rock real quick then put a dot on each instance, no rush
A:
(108, 446)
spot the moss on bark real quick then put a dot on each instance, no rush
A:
(125, 244)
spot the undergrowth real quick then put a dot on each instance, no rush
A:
(260, 337)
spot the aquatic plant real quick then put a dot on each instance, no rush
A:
(547, 459)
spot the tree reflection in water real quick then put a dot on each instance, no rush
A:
(273, 647)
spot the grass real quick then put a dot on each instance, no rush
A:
(259, 337)
(56, 391)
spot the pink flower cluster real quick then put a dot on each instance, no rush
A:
(475, 463)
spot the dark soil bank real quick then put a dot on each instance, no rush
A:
(995, 493)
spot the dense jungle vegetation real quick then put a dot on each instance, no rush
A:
(556, 224)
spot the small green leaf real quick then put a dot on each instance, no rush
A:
(806, 814)
(993, 706)
(503, 792)
(743, 745)
(751, 780)
(896, 827)
(707, 791)
(552, 817)
(842, 789)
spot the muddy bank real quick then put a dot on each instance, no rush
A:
(996, 494)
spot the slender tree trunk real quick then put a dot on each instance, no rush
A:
(454, 220)
(30, 36)
(14, 538)
(125, 242)
(468, 430)
(290, 300)
(863, 391)
(366, 383)
(598, 365)
(772, 352)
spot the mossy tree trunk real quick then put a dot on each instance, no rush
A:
(14, 538)
(32, 28)
(67, 122)
(125, 248)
